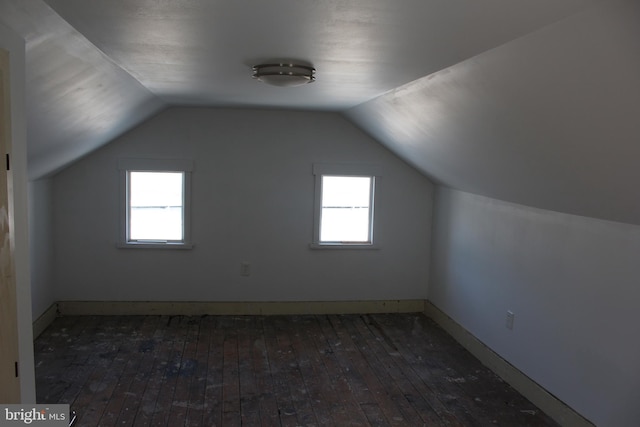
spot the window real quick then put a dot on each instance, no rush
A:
(345, 216)
(156, 210)
(344, 206)
(156, 203)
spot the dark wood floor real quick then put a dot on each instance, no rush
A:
(361, 370)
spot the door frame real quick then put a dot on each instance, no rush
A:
(9, 348)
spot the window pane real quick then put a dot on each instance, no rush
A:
(156, 205)
(345, 209)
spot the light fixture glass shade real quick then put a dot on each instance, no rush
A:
(284, 75)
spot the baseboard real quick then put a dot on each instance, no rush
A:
(540, 397)
(196, 308)
(45, 319)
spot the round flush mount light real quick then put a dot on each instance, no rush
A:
(284, 74)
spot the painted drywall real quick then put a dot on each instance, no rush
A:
(11, 42)
(41, 246)
(547, 120)
(572, 283)
(252, 200)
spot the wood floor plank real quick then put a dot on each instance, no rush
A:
(311, 370)
(114, 360)
(66, 370)
(439, 363)
(125, 364)
(374, 414)
(185, 375)
(147, 338)
(249, 393)
(389, 368)
(343, 405)
(129, 351)
(261, 365)
(277, 363)
(87, 349)
(286, 328)
(320, 391)
(350, 380)
(213, 389)
(385, 394)
(448, 417)
(480, 383)
(177, 325)
(159, 346)
(230, 376)
(196, 391)
(440, 378)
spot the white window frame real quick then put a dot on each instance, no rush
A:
(350, 170)
(125, 166)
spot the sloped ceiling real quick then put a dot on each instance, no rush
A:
(530, 101)
(551, 120)
(77, 98)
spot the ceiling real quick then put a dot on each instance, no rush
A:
(530, 101)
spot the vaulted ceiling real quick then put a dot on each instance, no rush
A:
(530, 101)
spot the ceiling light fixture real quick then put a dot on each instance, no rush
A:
(284, 75)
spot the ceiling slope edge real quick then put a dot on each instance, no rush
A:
(77, 98)
(548, 120)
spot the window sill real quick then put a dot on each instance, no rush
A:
(149, 245)
(343, 246)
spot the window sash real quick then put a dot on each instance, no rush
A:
(344, 220)
(145, 228)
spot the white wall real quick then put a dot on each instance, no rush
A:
(41, 245)
(252, 201)
(573, 284)
(13, 43)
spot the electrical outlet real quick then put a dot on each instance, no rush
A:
(245, 269)
(509, 322)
